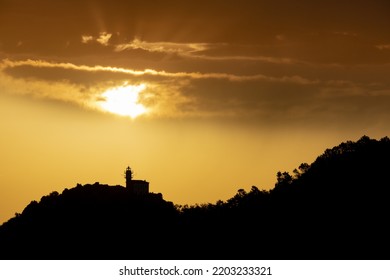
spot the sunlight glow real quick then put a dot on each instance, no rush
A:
(123, 100)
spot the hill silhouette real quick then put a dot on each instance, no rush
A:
(335, 208)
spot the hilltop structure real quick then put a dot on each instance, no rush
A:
(135, 186)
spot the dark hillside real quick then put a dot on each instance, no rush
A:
(335, 208)
(91, 221)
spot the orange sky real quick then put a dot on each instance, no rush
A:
(216, 95)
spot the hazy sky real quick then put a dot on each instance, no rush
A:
(200, 98)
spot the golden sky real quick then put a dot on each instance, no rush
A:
(200, 98)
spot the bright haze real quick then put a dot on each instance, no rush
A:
(200, 98)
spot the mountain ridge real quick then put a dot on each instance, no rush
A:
(333, 208)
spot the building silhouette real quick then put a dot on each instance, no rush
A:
(135, 186)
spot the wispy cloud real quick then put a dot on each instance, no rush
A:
(192, 75)
(269, 59)
(196, 50)
(85, 39)
(102, 39)
(185, 49)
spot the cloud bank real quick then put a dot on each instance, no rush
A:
(261, 99)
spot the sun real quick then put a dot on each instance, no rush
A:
(123, 101)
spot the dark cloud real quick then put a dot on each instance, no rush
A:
(258, 99)
(266, 61)
(310, 30)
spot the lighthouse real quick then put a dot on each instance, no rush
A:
(135, 186)
(128, 176)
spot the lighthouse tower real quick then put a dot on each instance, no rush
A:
(128, 176)
(135, 186)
